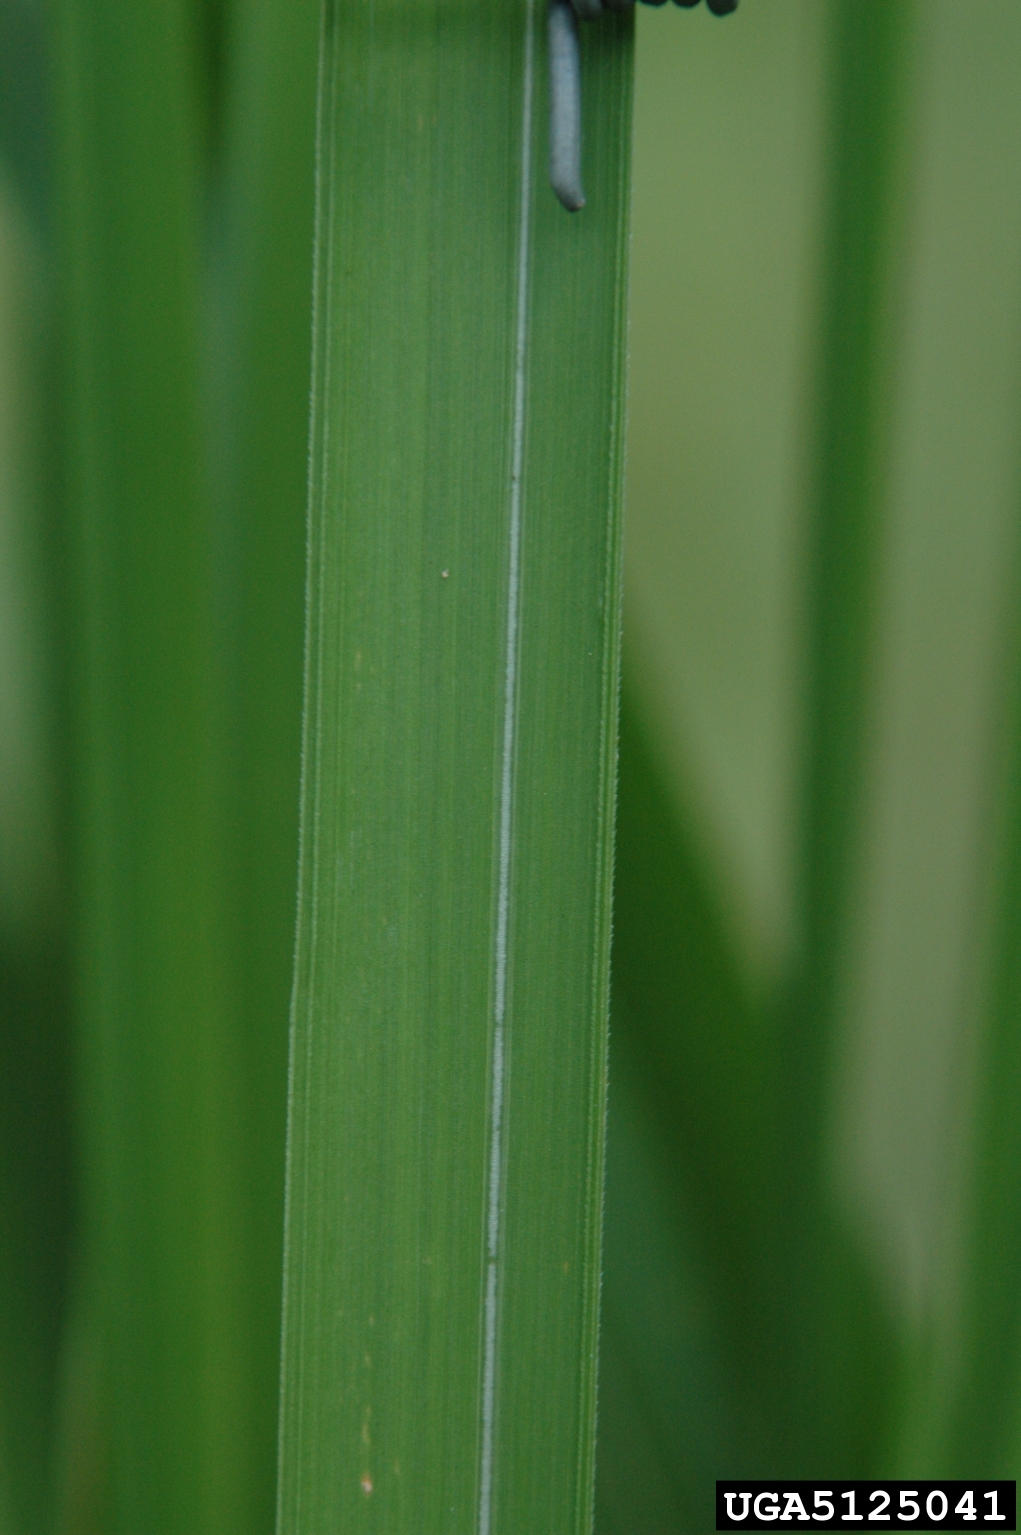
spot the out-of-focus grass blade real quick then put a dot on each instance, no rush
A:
(264, 281)
(695, 1038)
(35, 1216)
(863, 268)
(25, 145)
(799, 1324)
(448, 1056)
(980, 1422)
(723, 305)
(834, 1339)
(158, 1106)
(956, 1009)
(36, 1174)
(724, 241)
(672, 1412)
(691, 1192)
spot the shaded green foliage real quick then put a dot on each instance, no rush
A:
(762, 1310)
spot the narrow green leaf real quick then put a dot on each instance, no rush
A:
(739, 1093)
(36, 1047)
(448, 1049)
(835, 1338)
(977, 1440)
(692, 1034)
(159, 1081)
(862, 277)
(725, 235)
(263, 279)
(679, 1398)
(35, 1216)
(946, 1066)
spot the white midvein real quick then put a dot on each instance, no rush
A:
(510, 698)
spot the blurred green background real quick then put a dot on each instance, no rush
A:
(813, 1217)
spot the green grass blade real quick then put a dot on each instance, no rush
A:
(672, 1415)
(440, 1311)
(741, 1163)
(694, 1037)
(837, 1340)
(686, 1392)
(862, 267)
(264, 280)
(35, 1216)
(725, 235)
(158, 1103)
(37, 1203)
(963, 1407)
(984, 1401)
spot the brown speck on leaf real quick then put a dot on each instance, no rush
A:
(367, 1484)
